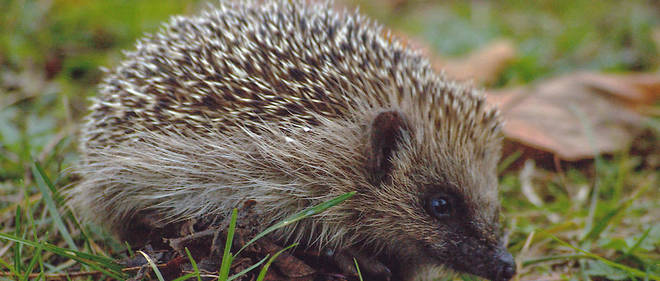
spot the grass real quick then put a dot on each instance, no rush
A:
(597, 220)
(102, 265)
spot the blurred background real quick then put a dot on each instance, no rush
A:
(580, 200)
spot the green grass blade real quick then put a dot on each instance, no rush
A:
(46, 187)
(18, 247)
(639, 242)
(264, 270)
(600, 226)
(552, 258)
(244, 271)
(194, 265)
(506, 162)
(36, 257)
(227, 257)
(83, 255)
(87, 239)
(587, 128)
(46, 179)
(11, 269)
(630, 270)
(299, 216)
(153, 265)
(187, 276)
(357, 267)
(107, 262)
(110, 268)
(128, 249)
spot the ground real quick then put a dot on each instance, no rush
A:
(595, 219)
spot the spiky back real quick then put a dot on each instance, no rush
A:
(277, 62)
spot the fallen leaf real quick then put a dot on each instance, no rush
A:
(578, 115)
(287, 264)
(636, 91)
(483, 65)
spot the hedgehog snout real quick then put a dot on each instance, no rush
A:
(506, 266)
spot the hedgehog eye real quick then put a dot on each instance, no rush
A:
(439, 206)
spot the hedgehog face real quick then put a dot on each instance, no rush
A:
(462, 234)
(444, 205)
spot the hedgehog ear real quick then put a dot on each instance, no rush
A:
(386, 132)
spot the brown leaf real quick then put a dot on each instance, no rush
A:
(577, 115)
(483, 65)
(635, 91)
(287, 264)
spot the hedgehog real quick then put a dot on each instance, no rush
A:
(290, 104)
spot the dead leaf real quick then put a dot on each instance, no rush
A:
(287, 264)
(636, 91)
(483, 65)
(578, 115)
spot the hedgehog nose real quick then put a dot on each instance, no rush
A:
(507, 268)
